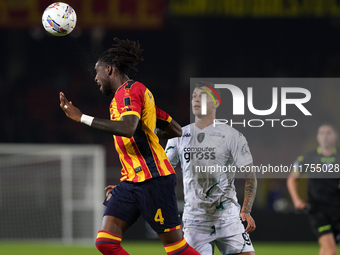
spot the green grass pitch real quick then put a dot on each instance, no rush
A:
(145, 248)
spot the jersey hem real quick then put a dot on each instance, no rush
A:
(130, 113)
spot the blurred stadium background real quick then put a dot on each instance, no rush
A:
(181, 39)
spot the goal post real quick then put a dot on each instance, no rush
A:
(51, 192)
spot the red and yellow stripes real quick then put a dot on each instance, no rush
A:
(176, 248)
(149, 162)
(141, 156)
(105, 237)
(172, 229)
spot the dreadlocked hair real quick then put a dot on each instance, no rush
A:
(124, 55)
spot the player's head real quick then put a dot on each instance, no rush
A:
(204, 88)
(327, 135)
(114, 64)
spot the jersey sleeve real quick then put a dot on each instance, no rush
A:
(130, 100)
(240, 150)
(163, 118)
(298, 164)
(171, 151)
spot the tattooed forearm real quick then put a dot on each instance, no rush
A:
(249, 192)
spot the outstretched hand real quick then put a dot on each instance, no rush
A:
(250, 222)
(71, 111)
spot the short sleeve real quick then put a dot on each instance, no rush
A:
(298, 163)
(240, 150)
(163, 118)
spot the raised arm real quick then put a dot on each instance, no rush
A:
(249, 197)
(126, 127)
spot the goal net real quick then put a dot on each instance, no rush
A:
(51, 192)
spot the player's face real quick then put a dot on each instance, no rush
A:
(326, 136)
(102, 78)
(196, 102)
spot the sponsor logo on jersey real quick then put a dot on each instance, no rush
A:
(150, 96)
(199, 153)
(128, 107)
(186, 135)
(218, 134)
(138, 169)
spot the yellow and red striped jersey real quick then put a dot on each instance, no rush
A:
(141, 156)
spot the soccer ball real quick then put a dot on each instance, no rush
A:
(59, 19)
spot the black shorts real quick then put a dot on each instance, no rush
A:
(324, 221)
(154, 199)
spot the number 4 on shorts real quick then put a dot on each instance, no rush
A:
(159, 217)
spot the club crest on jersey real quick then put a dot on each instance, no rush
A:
(200, 137)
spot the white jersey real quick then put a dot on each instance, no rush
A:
(207, 158)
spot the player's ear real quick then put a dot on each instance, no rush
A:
(109, 70)
(217, 104)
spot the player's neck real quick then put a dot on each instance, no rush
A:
(123, 79)
(203, 122)
(327, 151)
(119, 82)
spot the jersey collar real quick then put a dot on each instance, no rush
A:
(124, 84)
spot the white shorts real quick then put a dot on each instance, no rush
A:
(228, 235)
